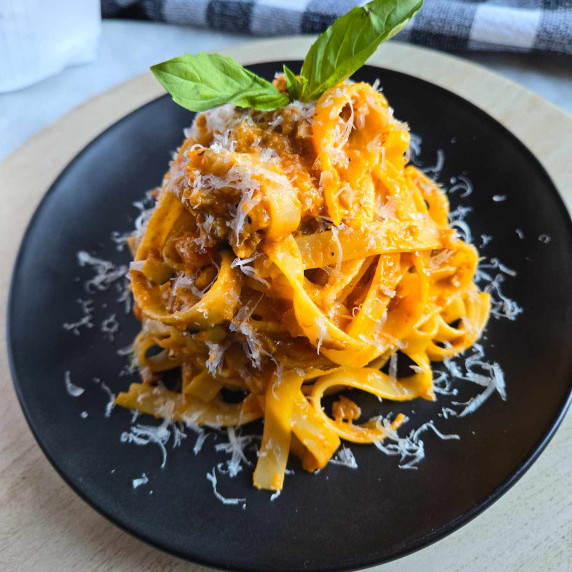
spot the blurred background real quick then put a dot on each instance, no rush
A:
(56, 54)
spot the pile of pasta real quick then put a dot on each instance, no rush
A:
(292, 255)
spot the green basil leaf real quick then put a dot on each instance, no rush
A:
(295, 86)
(346, 45)
(207, 80)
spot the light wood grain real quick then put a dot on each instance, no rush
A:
(45, 526)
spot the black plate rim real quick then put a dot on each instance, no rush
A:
(399, 551)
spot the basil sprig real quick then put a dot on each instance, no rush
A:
(206, 80)
(294, 84)
(347, 44)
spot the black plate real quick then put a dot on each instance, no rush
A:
(340, 518)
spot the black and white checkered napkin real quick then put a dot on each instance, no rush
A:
(543, 26)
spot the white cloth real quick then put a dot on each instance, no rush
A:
(39, 38)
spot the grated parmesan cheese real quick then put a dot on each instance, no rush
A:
(410, 449)
(105, 271)
(321, 324)
(248, 186)
(243, 265)
(302, 110)
(437, 260)
(485, 239)
(72, 389)
(393, 368)
(216, 355)
(142, 480)
(235, 447)
(435, 170)
(224, 500)
(120, 239)
(111, 403)
(201, 438)
(252, 346)
(415, 148)
(147, 434)
(345, 458)
(461, 183)
(447, 412)
(109, 327)
(86, 320)
(483, 373)
(127, 350)
(501, 305)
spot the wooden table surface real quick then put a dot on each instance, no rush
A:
(46, 526)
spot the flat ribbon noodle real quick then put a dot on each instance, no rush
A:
(293, 255)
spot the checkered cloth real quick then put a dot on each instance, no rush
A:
(543, 26)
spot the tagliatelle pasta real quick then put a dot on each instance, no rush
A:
(293, 254)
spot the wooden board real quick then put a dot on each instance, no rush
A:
(45, 526)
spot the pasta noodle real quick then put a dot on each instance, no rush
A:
(293, 254)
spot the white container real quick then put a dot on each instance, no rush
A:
(39, 38)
